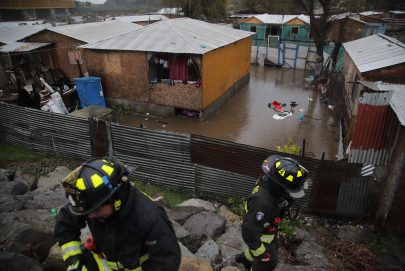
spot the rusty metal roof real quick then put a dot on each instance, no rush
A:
(93, 32)
(394, 96)
(181, 36)
(375, 52)
(22, 46)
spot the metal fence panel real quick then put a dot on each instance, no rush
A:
(223, 183)
(357, 195)
(198, 163)
(46, 132)
(152, 144)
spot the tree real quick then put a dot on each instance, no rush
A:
(201, 9)
(320, 25)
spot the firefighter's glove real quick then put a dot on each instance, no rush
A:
(77, 266)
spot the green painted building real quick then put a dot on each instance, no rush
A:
(271, 29)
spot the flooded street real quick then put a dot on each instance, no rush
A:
(247, 118)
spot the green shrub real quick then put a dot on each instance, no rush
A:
(290, 147)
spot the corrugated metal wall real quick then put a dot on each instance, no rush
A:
(374, 132)
(201, 164)
(45, 132)
(340, 190)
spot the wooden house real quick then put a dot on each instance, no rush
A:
(65, 39)
(268, 27)
(172, 65)
(374, 58)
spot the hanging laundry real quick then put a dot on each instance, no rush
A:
(178, 68)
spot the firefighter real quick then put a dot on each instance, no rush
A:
(284, 179)
(129, 231)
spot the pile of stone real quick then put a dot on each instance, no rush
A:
(209, 234)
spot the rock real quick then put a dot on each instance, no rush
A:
(19, 189)
(354, 234)
(12, 261)
(289, 267)
(30, 180)
(231, 243)
(304, 235)
(54, 260)
(194, 264)
(199, 204)
(53, 179)
(230, 217)
(193, 241)
(181, 214)
(312, 254)
(8, 202)
(185, 252)
(39, 199)
(208, 223)
(387, 262)
(29, 232)
(208, 251)
(5, 175)
(230, 268)
(179, 230)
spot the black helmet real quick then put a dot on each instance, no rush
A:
(287, 173)
(93, 183)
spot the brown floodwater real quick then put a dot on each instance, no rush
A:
(247, 118)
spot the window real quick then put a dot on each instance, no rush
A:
(294, 30)
(253, 29)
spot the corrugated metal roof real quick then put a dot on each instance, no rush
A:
(379, 98)
(375, 52)
(9, 34)
(398, 11)
(22, 46)
(170, 11)
(181, 36)
(382, 86)
(141, 18)
(369, 13)
(93, 32)
(280, 19)
(397, 101)
(398, 105)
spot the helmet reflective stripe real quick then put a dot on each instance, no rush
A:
(109, 170)
(96, 180)
(290, 178)
(278, 164)
(80, 184)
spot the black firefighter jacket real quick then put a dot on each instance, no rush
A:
(139, 228)
(262, 209)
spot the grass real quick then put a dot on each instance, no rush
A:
(172, 196)
(17, 154)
